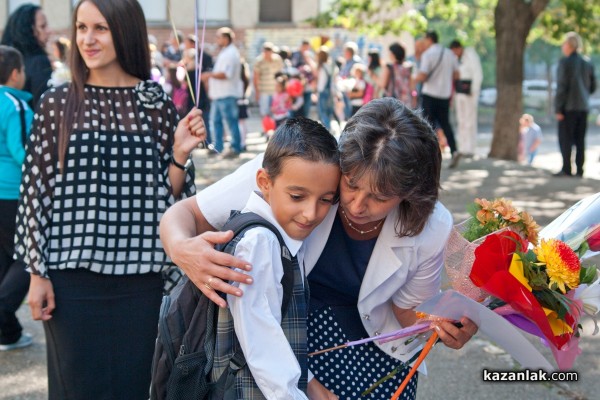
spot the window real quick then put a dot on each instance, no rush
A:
(275, 11)
(14, 4)
(215, 10)
(155, 10)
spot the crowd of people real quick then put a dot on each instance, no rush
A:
(285, 84)
(97, 197)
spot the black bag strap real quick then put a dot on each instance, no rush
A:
(21, 109)
(240, 222)
(436, 64)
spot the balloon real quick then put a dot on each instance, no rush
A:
(268, 124)
(294, 87)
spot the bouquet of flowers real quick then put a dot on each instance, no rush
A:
(487, 217)
(541, 288)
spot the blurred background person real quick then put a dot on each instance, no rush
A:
(575, 82)
(27, 31)
(396, 77)
(61, 72)
(531, 138)
(15, 124)
(470, 75)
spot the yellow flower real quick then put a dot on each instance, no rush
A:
(559, 327)
(562, 264)
(516, 270)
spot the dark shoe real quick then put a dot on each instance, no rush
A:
(579, 175)
(561, 174)
(455, 159)
(24, 341)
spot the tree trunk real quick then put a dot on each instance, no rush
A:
(513, 21)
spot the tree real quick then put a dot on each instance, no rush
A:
(513, 21)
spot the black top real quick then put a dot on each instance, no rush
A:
(102, 211)
(38, 71)
(337, 276)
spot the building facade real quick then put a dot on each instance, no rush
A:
(283, 22)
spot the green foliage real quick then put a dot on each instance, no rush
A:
(587, 275)
(470, 21)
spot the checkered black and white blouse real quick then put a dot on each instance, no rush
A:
(102, 211)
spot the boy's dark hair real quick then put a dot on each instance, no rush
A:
(399, 151)
(302, 138)
(432, 35)
(10, 59)
(398, 51)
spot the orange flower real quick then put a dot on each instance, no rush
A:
(531, 227)
(562, 264)
(485, 216)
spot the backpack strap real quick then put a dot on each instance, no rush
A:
(240, 222)
(21, 110)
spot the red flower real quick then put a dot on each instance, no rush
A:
(594, 239)
(490, 272)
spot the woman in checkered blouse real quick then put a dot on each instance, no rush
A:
(107, 157)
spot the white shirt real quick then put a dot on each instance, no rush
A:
(229, 62)
(404, 271)
(470, 68)
(257, 315)
(439, 83)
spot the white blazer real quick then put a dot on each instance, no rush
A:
(404, 271)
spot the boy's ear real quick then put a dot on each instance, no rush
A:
(263, 180)
(14, 75)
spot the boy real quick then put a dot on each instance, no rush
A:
(298, 183)
(531, 137)
(15, 122)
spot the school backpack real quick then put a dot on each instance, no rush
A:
(185, 345)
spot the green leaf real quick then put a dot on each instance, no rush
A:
(587, 274)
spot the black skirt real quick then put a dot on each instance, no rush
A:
(100, 340)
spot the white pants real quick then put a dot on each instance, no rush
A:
(466, 117)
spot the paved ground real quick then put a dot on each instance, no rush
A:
(453, 374)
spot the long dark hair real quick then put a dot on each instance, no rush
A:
(398, 149)
(19, 30)
(127, 24)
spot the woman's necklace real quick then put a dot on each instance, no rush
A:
(360, 230)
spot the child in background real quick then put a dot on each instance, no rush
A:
(531, 138)
(298, 183)
(15, 124)
(280, 102)
(358, 90)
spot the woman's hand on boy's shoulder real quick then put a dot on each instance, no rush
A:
(209, 269)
